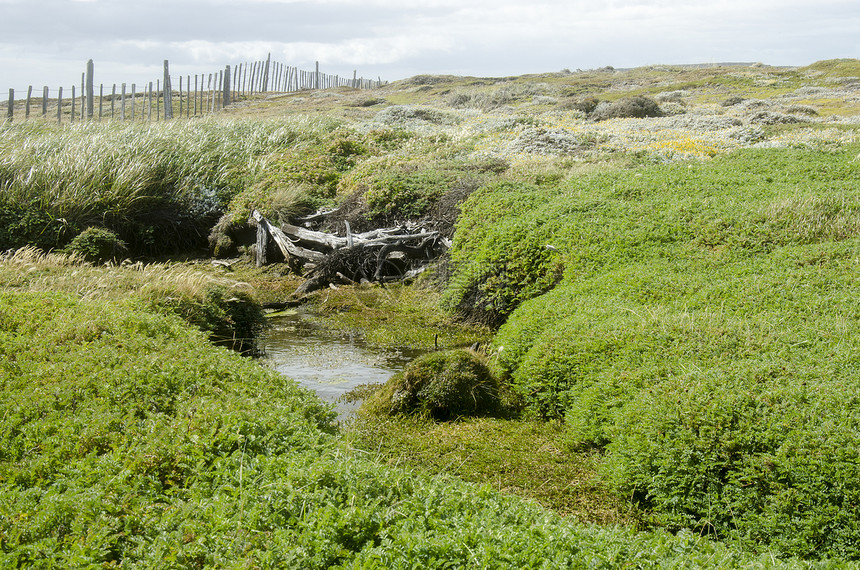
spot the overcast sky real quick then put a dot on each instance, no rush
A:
(47, 42)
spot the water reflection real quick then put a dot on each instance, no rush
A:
(327, 363)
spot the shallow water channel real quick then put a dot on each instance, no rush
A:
(328, 363)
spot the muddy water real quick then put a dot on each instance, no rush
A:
(327, 363)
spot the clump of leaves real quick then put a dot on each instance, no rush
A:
(97, 244)
(443, 385)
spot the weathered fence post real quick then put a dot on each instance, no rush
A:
(27, 107)
(195, 94)
(10, 109)
(317, 77)
(90, 91)
(45, 101)
(133, 99)
(180, 96)
(60, 106)
(72, 119)
(168, 93)
(122, 109)
(149, 106)
(101, 99)
(113, 101)
(266, 74)
(209, 102)
(227, 86)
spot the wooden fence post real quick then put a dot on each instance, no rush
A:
(168, 93)
(227, 86)
(266, 74)
(60, 106)
(72, 120)
(188, 103)
(90, 91)
(113, 101)
(149, 106)
(133, 99)
(10, 109)
(180, 96)
(45, 101)
(122, 111)
(27, 107)
(317, 77)
(209, 102)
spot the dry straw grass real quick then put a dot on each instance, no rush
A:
(31, 269)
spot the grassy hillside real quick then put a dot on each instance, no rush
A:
(663, 260)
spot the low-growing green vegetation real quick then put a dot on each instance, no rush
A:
(128, 441)
(701, 332)
(442, 385)
(656, 269)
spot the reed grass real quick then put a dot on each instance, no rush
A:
(159, 187)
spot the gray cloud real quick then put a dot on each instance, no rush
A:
(49, 41)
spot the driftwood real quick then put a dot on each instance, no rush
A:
(382, 255)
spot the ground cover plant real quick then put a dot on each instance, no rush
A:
(127, 440)
(666, 301)
(702, 334)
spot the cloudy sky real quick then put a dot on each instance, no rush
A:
(47, 42)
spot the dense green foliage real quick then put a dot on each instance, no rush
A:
(127, 440)
(97, 244)
(393, 189)
(704, 331)
(443, 385)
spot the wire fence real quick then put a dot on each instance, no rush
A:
(171, 96)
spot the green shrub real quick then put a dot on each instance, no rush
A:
(633, 107)
(97, 244)
(586, 105)
(395, 189)
(30, 224)
(766, 462)
(704, 334)
(443, 385)
(498, 266)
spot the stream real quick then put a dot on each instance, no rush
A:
(327, 363)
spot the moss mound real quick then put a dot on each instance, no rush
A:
(443, 385)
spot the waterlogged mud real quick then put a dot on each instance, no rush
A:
(328, 363)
